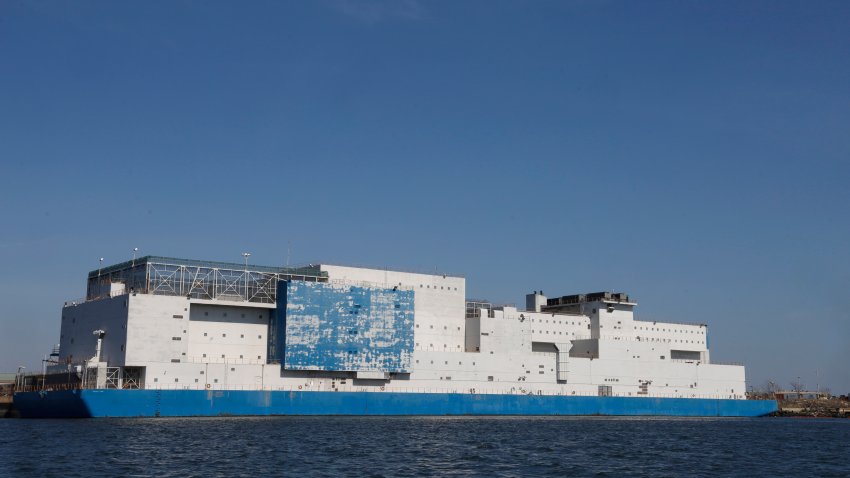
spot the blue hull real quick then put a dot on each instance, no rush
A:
(187, 403)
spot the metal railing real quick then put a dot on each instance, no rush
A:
(221, 387)
(385, 269)
(656, 322)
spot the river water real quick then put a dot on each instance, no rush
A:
(425, 446)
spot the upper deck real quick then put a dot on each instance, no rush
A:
(205, 280)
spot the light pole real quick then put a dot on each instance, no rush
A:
(99, 267)
(817, 382)
(135, 250)
(246, 255)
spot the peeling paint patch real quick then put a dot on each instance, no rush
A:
(334, 327)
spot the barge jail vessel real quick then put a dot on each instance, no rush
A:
(160, 336)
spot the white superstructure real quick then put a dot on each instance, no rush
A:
(175, 324)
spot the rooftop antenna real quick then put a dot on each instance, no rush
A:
(288, 251)
(135, 250)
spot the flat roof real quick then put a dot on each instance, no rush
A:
(310, 270)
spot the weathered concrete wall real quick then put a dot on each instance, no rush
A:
(335, 327)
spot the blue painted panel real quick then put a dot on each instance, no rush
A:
(333, 327)
(167, 403)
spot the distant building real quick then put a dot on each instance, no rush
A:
(797, 395)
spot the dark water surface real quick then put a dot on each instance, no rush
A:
(370, 446)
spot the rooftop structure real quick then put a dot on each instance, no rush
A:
(196, 279)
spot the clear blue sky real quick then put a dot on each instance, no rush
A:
(693, 154)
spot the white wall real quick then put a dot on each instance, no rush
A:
(77, 343)
(219, 333)
(157, 329)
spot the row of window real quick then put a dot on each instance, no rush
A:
(177, 380)
(655, 339)
(259, 357)
(431, 326)
(241, 336)
(432, 345)
(564, 322)
(223, 314)
(553, 332)
(447, 362)
(659, 329)
(435, 287)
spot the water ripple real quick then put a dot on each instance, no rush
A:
(424, 446)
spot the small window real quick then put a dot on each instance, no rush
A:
(206, 313)
(489, 378)
(259, 336)
(215, 380)
(176, 380)
(224, 335)
(176, 338)
(177, 316)
(196, 380)
(205, 334)
(175, 360)
(155, 379)
(222, 355)
(202, 372)
(205, 357)
(232, 369)
(242, 336)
